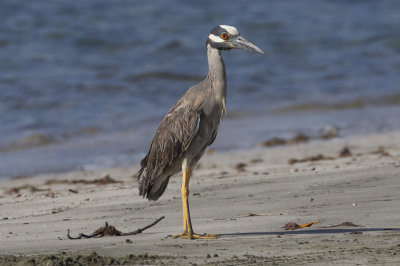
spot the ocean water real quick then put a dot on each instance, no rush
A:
(84, 84)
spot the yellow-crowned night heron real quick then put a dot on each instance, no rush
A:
(190, 125)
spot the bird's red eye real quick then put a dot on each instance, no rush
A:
(224, 36)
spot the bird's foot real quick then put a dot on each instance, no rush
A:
(187, 235)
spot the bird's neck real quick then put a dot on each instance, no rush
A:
(216, 72)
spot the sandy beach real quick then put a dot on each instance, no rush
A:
(246, 196)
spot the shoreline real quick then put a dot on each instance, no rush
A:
(247, 196)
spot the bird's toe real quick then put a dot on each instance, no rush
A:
(187, 235)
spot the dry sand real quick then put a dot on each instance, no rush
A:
(248, 205)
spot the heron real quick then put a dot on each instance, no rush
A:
(189, 126)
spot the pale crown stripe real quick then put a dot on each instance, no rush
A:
(230, 29)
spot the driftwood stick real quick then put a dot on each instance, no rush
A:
(138, 231)
(109, 230)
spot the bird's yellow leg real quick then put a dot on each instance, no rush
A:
(187, 224)
(186, 174)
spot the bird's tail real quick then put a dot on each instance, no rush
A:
(149, 188)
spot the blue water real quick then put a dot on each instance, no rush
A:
(94, 78)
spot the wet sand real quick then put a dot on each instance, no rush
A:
(246, 196)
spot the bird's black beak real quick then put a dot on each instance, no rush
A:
(241, 43)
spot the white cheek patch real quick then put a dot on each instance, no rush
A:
(215, 38)
(230, 29)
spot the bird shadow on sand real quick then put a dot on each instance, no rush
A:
(314, 231)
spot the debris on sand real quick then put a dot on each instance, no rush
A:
(328, 133)
(318, 157)
(273, 142)
(255, 214)
(294, 226)
(381, 151)
(33, 189)
(345, 152)
(101, 181)
(109, 230)
(299, 138)
(241, 167)
(73, 191)
(344, 224)
(256, 160)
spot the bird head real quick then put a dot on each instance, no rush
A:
(225, 37)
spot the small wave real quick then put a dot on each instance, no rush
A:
(34, 140)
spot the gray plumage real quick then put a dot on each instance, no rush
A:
(191, 124)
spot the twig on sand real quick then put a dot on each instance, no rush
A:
(109, 230)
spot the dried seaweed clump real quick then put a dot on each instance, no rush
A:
(109, 230)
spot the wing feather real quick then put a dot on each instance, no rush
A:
(174, 135)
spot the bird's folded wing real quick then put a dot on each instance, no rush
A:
(173, 137)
